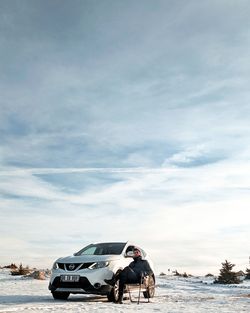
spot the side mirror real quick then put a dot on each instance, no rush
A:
(129, 254)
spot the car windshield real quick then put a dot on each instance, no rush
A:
(102, 249)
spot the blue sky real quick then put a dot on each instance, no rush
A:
(125, 120)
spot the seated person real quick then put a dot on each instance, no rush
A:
(131, 274)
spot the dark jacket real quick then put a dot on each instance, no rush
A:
(141, 267)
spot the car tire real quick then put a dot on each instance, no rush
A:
(113, 295)
(150, 292)
(60, 295)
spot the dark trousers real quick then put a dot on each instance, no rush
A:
(127, 276)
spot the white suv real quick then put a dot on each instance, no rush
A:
(86, 270)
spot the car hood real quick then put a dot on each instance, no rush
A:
(88, 258)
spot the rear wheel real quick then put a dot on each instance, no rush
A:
(150, 292)
(60, 295)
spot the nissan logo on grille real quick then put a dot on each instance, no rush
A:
(71, 267)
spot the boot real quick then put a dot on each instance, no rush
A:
(111, 281)
(120, 298)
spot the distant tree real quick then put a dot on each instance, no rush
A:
(247, 273)
(227, 276)
(21, 269)
(162, 274)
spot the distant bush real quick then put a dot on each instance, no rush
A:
(185, 275)
(209, 275)
(40, 275)
(11, 266)
(162, 274)
(247, 273)
(21, 270)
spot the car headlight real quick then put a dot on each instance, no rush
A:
(97, 265)
(55, 266)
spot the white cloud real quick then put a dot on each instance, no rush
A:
(174, 208)
(187, 156)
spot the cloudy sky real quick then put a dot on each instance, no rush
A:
(125, 120)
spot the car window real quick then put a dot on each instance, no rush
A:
(90, 250)
(109, 248)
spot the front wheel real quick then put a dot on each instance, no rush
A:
(60, 295)
(114, 293)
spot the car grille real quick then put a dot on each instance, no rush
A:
(74, 266)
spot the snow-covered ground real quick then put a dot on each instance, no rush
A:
(173, 295)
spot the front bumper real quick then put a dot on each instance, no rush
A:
(82, 286)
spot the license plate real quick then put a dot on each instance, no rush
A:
(70, 278)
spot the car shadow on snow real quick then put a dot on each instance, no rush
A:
(86, 298)
(22, 299)
(15, 299)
